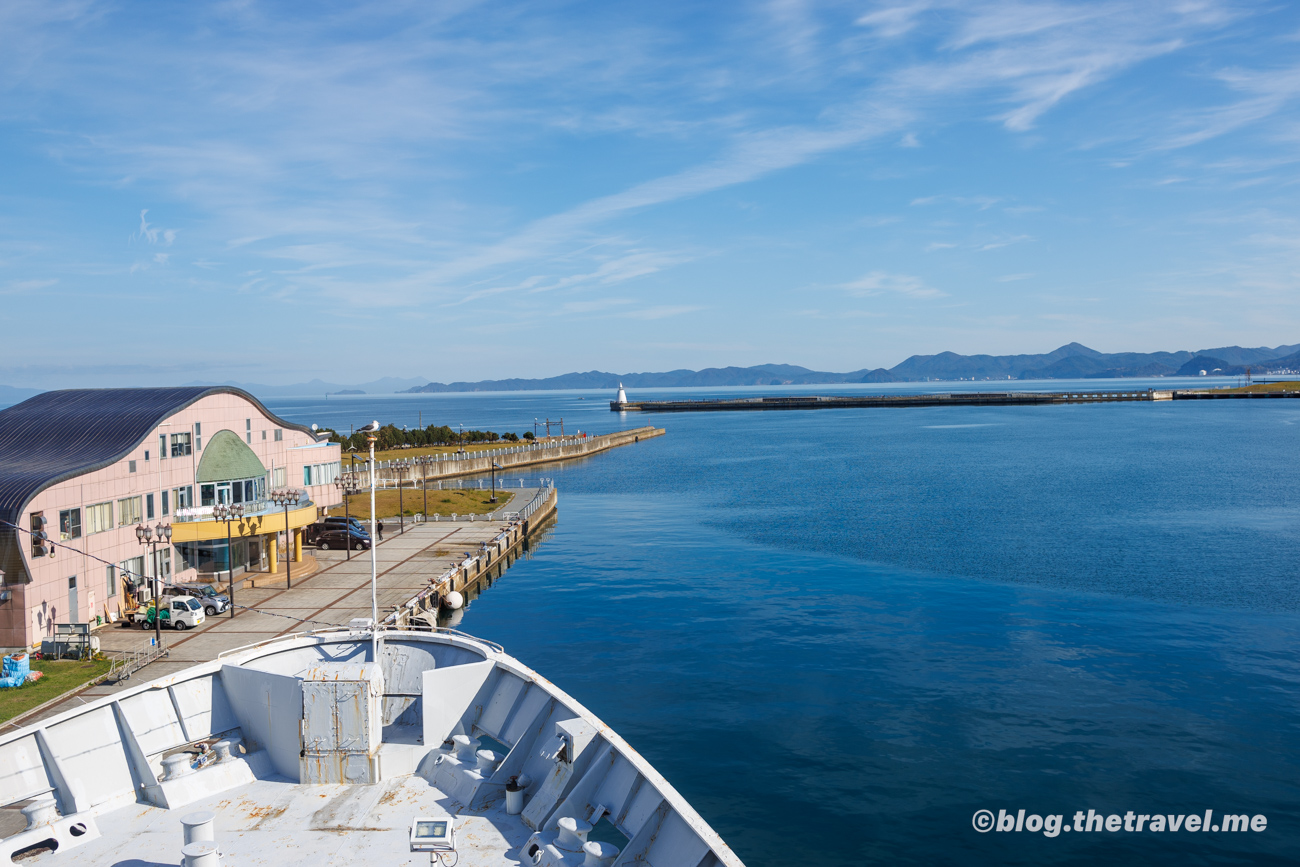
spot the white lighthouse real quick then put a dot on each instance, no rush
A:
(622, 395)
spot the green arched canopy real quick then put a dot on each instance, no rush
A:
(227, 457)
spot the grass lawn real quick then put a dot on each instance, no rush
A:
(61, 675)
(464, 502)
(1271, 386)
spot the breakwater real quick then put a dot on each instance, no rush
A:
(401, 471)
(999, 398)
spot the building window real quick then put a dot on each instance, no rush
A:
(279, 434)
(198, 444)
(248, 424)
(130, 466)
(184, 497)
(165, 504)
(180, 445)
(110, 576)
(264, 435)
(99, 518)
(249, 437)
(277, 477)
(207, 495)
(198, 428)
(148, 506)
(128, 512)
(162, 447)
(146, 456)
(320, 474)
(69, 524)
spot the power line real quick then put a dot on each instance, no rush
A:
(162, 580)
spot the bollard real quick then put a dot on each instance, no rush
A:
(573, 833)
(200, 854)
(599, 854)
(198, 827)
(44, 811)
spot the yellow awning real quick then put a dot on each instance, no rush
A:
(254, 525)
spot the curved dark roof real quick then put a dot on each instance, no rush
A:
(60, 434)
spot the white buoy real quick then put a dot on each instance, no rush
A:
(453, 600)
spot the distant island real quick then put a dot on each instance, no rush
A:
(1072, 361)
(346, 391)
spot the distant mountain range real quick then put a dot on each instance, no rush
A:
(1072, 361)
(386, 385)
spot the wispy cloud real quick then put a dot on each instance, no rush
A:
(662, 311)
(24, 287)
(880, 283)
(154, 234)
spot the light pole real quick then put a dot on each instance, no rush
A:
(424, 482)
(400, 466)
(495, 467)
(146, 537)
(372, 431)
(222, 512)
(461, 450)
(287, 498)
(347, 483)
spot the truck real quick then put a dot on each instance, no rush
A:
(179, 612)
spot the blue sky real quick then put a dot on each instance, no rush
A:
(269, 192)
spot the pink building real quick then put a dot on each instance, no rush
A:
(86, 466)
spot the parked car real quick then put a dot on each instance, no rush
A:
(214, 603)
(340, 538)
(178, 612)
(335, 522)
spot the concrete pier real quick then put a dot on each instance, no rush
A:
(416, 568)
(449, 466)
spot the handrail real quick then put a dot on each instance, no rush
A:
(326, 630)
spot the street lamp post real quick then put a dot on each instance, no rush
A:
(146, 536)
(495, 467)
(400, 466)
(223, 512)
(372, 432)
(287, 498)
(424, 483)
(347, 483)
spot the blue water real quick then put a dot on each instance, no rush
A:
(841, 633)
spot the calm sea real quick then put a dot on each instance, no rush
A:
(841, 633)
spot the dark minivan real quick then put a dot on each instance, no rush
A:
(340, 537)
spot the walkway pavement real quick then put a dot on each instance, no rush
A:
(332, 596)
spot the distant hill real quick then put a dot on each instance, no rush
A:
(387, 385)
(1072, 361)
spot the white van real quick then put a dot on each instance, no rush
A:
(179, 612)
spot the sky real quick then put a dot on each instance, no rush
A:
(270, 192)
